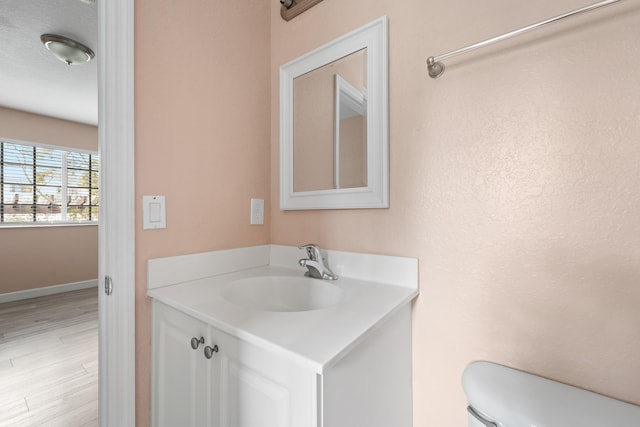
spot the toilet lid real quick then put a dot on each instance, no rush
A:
(513, 398)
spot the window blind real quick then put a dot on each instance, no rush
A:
(47, 185)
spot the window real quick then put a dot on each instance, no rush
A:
(43, 184)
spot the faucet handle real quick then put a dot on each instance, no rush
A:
(313, 251)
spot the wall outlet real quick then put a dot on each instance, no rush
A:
(257, 211)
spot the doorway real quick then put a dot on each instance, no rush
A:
(116, 230)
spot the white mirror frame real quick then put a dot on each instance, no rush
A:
(373, 37)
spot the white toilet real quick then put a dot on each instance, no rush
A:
(503, 397)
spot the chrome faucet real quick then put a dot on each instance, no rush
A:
(315, 263)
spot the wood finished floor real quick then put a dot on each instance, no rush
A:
(49, 361)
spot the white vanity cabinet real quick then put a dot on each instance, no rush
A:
(243, 385)
(239, 386)
(336, 362)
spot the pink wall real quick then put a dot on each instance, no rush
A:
(29, 127)
(62, 254)
(514, 180)
(36, 257)
(202, 136)
(513, 177)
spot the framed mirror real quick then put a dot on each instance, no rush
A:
(334, 140)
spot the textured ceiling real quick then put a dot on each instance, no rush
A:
(31, 78)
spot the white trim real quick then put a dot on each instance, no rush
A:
(51, 146)
(373, 37)
(47, 290)
(45, 224)
(117, 400)
(354, 101)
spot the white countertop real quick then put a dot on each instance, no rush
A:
(317, 338)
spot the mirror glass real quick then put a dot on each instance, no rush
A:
(330, 127)
(334, 124)
(350, 139)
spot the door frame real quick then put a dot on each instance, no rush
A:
(117, 213)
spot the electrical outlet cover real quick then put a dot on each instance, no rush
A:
(257, 211)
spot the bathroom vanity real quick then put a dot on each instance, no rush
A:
(252, 342)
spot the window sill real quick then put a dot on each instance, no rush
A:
(46, 225)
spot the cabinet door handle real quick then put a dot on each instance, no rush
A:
(195, 342)
(208, 351)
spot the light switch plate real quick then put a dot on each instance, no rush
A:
(154, 212)
(257, 211)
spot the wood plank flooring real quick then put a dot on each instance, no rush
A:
(49, 361)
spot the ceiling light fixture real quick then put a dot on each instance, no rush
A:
(67, 50)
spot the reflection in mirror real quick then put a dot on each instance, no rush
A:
(334, 124)
(350, 139)
(322, 99)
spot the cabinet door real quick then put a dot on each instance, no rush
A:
(180, 373)
(259, 389)
(240, 385)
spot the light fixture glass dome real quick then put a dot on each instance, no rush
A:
(66, 49)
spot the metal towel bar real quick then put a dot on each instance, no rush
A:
(436, 67)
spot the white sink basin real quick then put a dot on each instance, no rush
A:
(282, 293)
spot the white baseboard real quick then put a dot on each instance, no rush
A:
(49, 290)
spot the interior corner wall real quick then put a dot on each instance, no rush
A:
(514, 181)
(36, 257)
(202, 94)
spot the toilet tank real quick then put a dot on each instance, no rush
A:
(506, 397)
